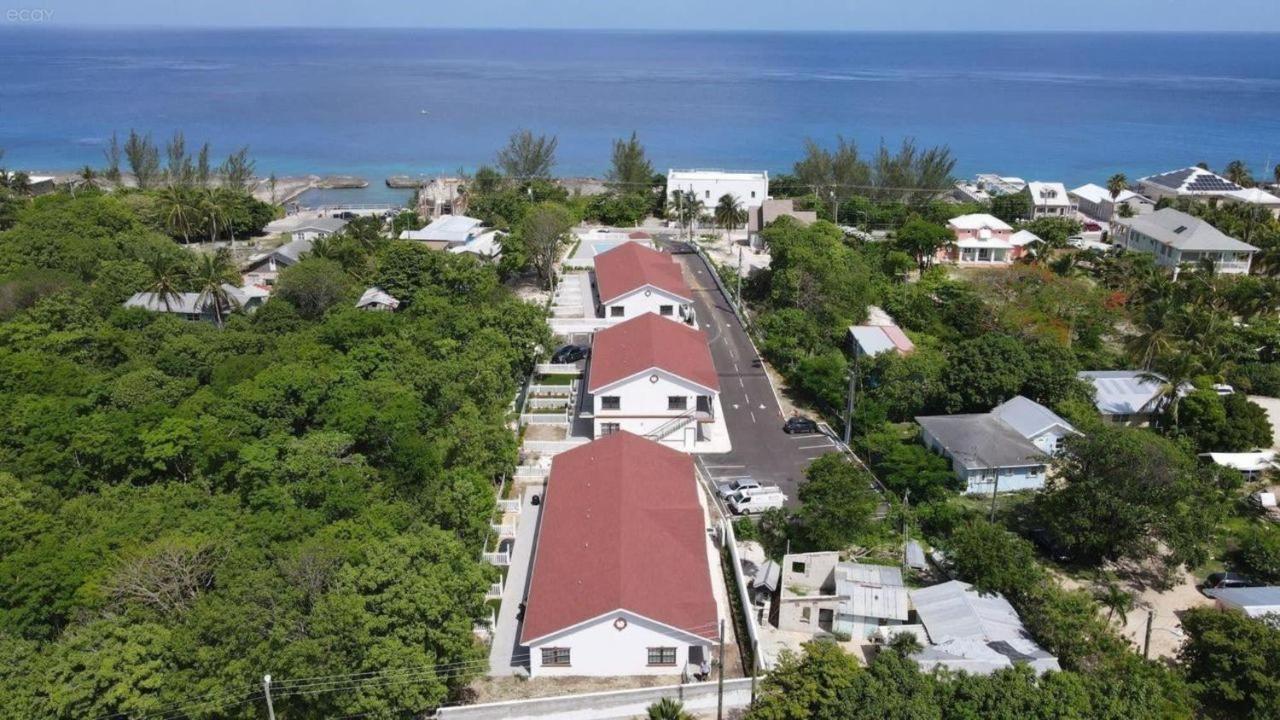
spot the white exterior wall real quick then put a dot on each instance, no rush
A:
(1173, 258)
(981, 482)
(1048, 440)
(310, 234)
(644, 300)
(749, 188)
(643, 405)
(599, 649)
(264, 274)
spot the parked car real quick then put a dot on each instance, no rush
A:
(754, 502)
(570, 354)
(735, 486)
(797, 425)
(1220, 580)
(1224, 389)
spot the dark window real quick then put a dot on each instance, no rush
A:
(617, 311)
(662, 656)
(610, 402)
(677, 402)
(797, 567)
(609, 428)
(666, 309)
(555, 657)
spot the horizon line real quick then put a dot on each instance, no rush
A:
(642, 30)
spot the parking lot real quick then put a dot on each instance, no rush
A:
(752, 410)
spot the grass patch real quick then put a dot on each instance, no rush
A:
(555, 380)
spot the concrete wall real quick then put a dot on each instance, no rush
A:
(697, 698)
(749, 188)
(643, 403)
(600, 649)
(981, 482)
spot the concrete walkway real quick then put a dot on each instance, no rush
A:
(506, 656)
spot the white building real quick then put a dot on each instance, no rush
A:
(1050, 199)
(1179, 240)
(655, 377)
(313, 229)
(195, 307)
(632, 279)
(1006, 449)
(1254, 602)
(1126, 397)
(1097, 202)
(1192, 182)
(987, 186)
(750, 188)
(446, 231)
(820, 595)
(622, 573)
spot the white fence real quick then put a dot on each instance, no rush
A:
(698, 698)
(748, 609)
(559, 368)
(558, 390)
(553, 447)
(509, 506)
(501, 559)
(551, 418)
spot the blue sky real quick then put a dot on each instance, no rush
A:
(1096, 15)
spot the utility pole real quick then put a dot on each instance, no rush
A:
(755, 662)
(720, 687)
(740, 278)
(266, 689)
(906, 506)
(1146, 643)
(848, 408)
(995, 490)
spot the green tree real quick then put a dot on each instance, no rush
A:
(668, 709)
(1260, 554)
(1233, 663)
(528, 156)
(630, 170)
(1238, 172)
(922, 239)
(1117, 184)
(544, 232)
(836, 503)
(212, 274)
(729, 213)
(167, 278)
(1116, 601)
(313, 286)
(994, 560)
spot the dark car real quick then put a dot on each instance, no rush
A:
(570, 354)
(1220, 580)
(797, 425)
(1049, 545)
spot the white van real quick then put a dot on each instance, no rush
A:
(754, 502)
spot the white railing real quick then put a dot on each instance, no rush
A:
(495, 591)
(505, 531)
(560, 390)
(699, 698)
(559, 368)
(525, 472)
(555, 418)
(670, 426)
(501, 559)
(509, 506)
(552, 447)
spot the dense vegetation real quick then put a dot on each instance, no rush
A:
(303, 492)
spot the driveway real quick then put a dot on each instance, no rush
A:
(752, 409)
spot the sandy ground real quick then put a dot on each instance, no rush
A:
(1164, 605)
(726, 253)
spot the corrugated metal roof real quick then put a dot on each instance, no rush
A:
(1254, 601)
(889, 602)
(1122, 392)
(1177, 229)
(955, 610)
(1027, 417)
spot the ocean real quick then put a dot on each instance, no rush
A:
(1074, 107)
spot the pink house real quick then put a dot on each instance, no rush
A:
(983, 239)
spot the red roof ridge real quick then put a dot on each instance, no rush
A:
(633, 265)
(647, 342)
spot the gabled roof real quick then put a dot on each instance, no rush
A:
(875, 339)
(1192, 181)
(954, 610)
(630, 266)
(649, 342)
(1027, 417)
(287, 254)
(622, 529)
(1097, 194)
(978, 221)
(446, 228)
(190, 303)
(1053, 194)
(1254, 195)
(1024, 237)
(1122, 392)
(1177, 229)
(377, 296)
(324, 224)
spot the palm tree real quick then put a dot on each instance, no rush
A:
(1238, 173)
(212, 213)
(729, 213)
(1117, 184)
(177, 211)
(1116, 601)
(167, 278)
(1275, 174)
(1176, 373)
(668, 709)
(685, 207)
(1155, 336)
(212, 273)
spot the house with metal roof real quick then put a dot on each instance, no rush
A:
(655, 378)
(1098, 203)
(446, 231)
(1250, 464)
(1050, 199)
(311, 229)
(821, 595)
(1257, 197)
(980, 239)
(1180, 241)
(1252, 601)
(264, 269)
(1006, 449)
(621, 580)
(879, 334)
(1193, 182)
(1127, 397)
(632, 279)
(376, 298)
(196, 307)
(973, 632)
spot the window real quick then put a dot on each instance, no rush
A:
(753, 193)
(555, 657)
(708, 194)
(617, 311)
(806, 614)
(666, 310)
(610, 402)
(662, 656)
(609, 428)
(677, 402)
(797, 567)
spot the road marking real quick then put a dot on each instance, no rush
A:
(747, 398)
(762, 407)
(742, 384)
(814, 447)
(753, 416)
(810, 436)
(735, 406)
(721, 466)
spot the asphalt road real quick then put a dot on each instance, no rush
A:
(760, 449)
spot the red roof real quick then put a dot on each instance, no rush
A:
(651, 341)
(640, 235)
(621, 529)
(631, 266)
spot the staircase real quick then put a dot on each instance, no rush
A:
(673, 425)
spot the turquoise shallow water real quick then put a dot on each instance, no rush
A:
(1073, 107)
